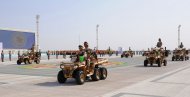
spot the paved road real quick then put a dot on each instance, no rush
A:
(21, 81)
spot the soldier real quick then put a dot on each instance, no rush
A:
(9, 55)
(116, 53)
(80, 55)
(90, 54)
(64, 54)
(88, 57)
(87, 52)
(48, 54)
(129, 48)
(57, 53)
(18, 54)
(181, 45)
(40, 54)
(32, 49)
(159, 43)
(2, 56)
(86, 49)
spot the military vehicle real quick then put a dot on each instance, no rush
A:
(156, 56)
(145, 53)
(126, 54)
(80, 71)
(29, 58)
(180, 54)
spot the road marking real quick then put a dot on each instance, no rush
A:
(134, 94)
(13, 78)
(170, 74)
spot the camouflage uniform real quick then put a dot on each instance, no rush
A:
(181, 45)
(80, 53)
(159, 43)
(89, 55)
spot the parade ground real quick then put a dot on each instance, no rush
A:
(127, 77)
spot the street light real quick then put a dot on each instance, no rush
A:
(37, 31)
(79, 39)
(179, 35)
(97, 36)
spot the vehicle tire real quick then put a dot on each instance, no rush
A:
(37, 61)
(159, 63)
(145, 63)
(29, 61)
(80, 77)
(103, 73)
(182, 58)
(172, 58)
(96, 75)
(25, 61)
(151, 64)
(165, 63)
(166, 53)
(18, 62)
(60, 77)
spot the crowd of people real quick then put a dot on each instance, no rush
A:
(58, 53)
(3, 56)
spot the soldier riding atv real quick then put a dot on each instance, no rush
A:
(127, 54)
(81, 67)
(29, 58)
(180, 54)
(156, 56)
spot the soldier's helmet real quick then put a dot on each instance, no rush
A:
(80, 46)
(159, 39)
(85, 43)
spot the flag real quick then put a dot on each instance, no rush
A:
(17, 39)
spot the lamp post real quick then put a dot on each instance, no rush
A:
(37, 31)
(79, 39)
(179, 35)
(97, 36)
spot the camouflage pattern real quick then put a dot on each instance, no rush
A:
(180, 54)
(156, 56)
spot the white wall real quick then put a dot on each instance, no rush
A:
(1, 46)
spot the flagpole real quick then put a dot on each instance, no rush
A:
(97, 36)
(37, 31)
(179, 35)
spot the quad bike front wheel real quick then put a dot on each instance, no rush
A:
(103, 73)
(80, 77)
(18, 62)
(60, 77)
(145, 63)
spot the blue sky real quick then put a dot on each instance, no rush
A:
(123, 23)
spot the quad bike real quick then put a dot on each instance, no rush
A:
(80, 70)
